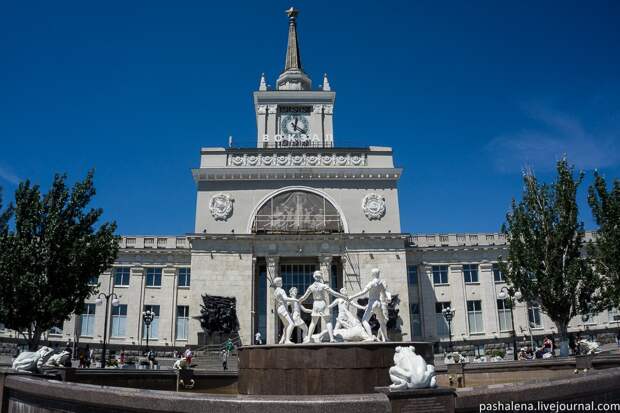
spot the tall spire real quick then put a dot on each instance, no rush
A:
(293, 59)
(293, 76)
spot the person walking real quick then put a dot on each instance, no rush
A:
(224, 357)
(188, 355)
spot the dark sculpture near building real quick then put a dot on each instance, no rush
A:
(219, 314)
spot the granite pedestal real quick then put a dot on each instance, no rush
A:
(322, 368)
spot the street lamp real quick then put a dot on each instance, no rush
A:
(147, 317)
(99, 301)
(448, 314)
(585, 318)
(509, 294)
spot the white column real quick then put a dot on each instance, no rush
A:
(261, 124)
(272, 272)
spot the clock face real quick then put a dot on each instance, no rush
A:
(295, 124)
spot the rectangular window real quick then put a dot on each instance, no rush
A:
(533, 315)
(440, 274)
(613, 316)
(474, 316)
(87, 325)
(119, 321)
(498, 276)
(479, 350)
(184, 277)
(470, 272)
(153, 277)
(412, 274)
(442, 324)
(2, 326)
(590, 319)
(416, 322)
(182, 322)
(121, 276)
(505, 315)
(154, 327)
(93, 280)
(56, 330)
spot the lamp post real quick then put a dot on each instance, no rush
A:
(585, 318)
(448, 314)
(147, 317)
(99, 301)
(510, 294)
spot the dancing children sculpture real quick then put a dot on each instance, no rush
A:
(346, 319)
(378, 298)
(320, 309)
(281, 301)
(296, 310)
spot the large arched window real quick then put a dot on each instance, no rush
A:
(297, 211)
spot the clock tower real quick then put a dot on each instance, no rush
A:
(294, 115)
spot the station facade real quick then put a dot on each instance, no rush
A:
(296, 203)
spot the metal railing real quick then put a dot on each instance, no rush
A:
(297, 223)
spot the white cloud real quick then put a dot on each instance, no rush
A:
(558, 133)
(8, 175)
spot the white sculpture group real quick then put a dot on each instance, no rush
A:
(348, 327)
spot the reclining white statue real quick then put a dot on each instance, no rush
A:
(410, 370)
(32, 361)
(58, 360)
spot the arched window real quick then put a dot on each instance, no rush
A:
(297, 211)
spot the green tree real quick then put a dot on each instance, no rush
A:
(605, 249)
(546, 241)
(47, 254)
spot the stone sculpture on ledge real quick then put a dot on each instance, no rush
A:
(32, 361)
(410, 371)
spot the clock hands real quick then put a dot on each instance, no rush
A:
(296, 128)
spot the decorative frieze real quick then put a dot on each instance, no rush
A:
(296, 159)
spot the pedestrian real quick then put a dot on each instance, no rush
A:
(151, 358)
(547, 345)
(224, 356)
(618, 338)
(258, 339)
(188, 355)
(123, 356)
(229, 345)
(82, 357)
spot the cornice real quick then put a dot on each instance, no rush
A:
(286, 173)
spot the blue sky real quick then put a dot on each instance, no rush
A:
(466, 93)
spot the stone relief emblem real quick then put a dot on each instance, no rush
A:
(268, 160)
(237, 160)
(252, 160)
(221, 206)
(356, 160)
(373, 206)
(298, 160)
